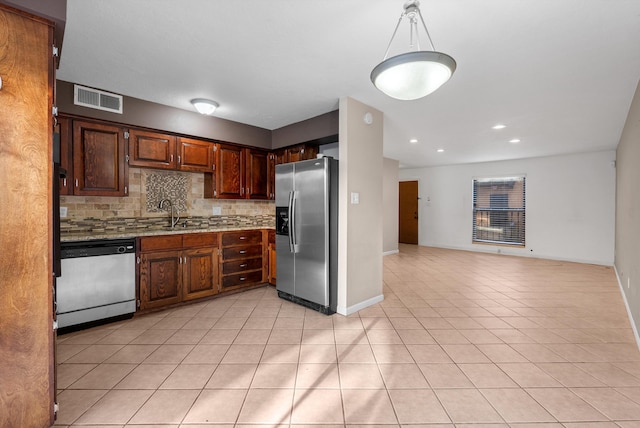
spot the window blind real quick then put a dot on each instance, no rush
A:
(499, 210)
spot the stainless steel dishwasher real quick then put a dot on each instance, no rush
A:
(97, 281)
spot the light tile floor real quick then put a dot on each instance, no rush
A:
(461, 339)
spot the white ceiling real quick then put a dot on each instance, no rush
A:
(559, 73)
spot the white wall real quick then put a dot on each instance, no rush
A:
(360, 225)
(627, 259)
(570, 205)
(390, 195)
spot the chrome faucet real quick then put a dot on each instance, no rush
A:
(173, 221)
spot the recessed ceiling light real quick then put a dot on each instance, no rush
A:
(514, 141)
(499, 126)
(440, 150)
(413, 141)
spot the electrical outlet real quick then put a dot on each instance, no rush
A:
(63, 212)
(217, 210)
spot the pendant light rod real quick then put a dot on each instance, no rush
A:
(411, 9)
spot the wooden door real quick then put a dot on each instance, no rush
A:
(152, 149)
(257, 166)
(200, 269)
(408, 215)
(160, 279)
(99, 166)
(195, 155)
(27, 364)
(229, 172)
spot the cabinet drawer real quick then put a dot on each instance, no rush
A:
(190, 240)
(241, 252)
(241, 238)
(237, 266)
(164, 242)
(241, 279)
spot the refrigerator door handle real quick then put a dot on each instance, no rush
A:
(291, 222)
(294, 233)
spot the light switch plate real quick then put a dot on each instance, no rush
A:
(217, 210)
(355, 198)
(63, 212)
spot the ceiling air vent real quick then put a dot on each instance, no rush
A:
(94, 98)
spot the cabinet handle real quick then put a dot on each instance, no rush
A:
(76, 182)
(242, 278)
(170, 158)
(243, 265)
(243, 251)
(178, 158)
(243, 238)
(138, 260)
(64, 182)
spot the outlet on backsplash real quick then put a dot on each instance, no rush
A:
(186, 187)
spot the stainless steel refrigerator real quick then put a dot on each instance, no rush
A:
(307, 233)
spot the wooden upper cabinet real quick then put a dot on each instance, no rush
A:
(257, 172)
(281, 156)
(64, 132)
(295, 153)
(229, 175)
(152, 149)
(99, 166)
(195, 155)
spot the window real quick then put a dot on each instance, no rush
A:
(498, 210)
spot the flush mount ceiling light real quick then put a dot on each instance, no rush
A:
(417, 73)
(205, 106)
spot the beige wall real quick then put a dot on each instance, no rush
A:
(360, 225)
(627, 241)
(134, 205)
(390, 206)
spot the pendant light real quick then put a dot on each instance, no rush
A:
(413, 74)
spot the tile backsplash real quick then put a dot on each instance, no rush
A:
(147, 187)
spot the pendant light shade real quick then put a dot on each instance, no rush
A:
(413, 74)
(204, 106)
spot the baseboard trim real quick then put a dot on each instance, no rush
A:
(626, 305)
(342, 310)
(388, 253)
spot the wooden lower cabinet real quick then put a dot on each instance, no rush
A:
(177, 268)
(199, 273)
(271, 253)
(160, 279)
(242, 262)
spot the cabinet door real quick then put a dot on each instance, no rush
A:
(229, 172)
(295, 153)
(271, 171)
(195, 155)
(257, 167)
(281, 156)
(310, 152)
(64, 132)
(199, 273)
(160, 279)
(99, 166)
(152, 149)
